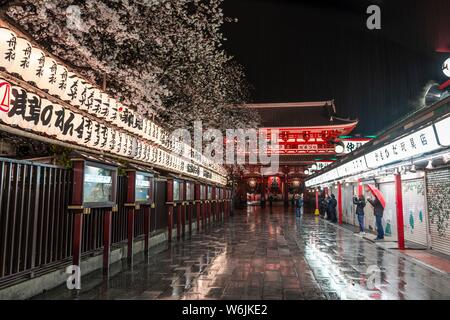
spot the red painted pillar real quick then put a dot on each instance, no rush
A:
(130, 233)
(131, 205)
(208, 206)
(204, 209)
(360, 187)
(183, 210)
(170, 208)
(106, 240)
(190, 208)
(77, 236)
(217, 203)
(214, 204)
(286, 192)
(179, 211)
(399, 201)
(198, 205)
(317, 212)
(77, 207)
(146, 227)
(340, 202)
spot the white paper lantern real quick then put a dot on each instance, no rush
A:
(31, 120)
(62, 79)
(36, 68)
(87, 131)
(97, 135)
(23, 55)
(48, 80)
(121, 111)
(119, 141)
(111, 140)
(8, 43)
(78, 129)
(65, 119)
(96, 103)
(85, 95)
(112, 112)
(105, 107)
(53, 129)
(47, 116)
(72, 91)
(124, 145)
(17, 105)
(5, 100)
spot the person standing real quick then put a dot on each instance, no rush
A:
(297, 204)
(360, 203)
(378, 211)
(302, 203)
(322, 206)
(327, 207)
(332, 204)
(270, 200)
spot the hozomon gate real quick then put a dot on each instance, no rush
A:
(310, 135)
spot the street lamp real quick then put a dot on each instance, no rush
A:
(446, 67)
(339, 148)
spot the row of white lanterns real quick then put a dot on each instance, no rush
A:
(18, 56)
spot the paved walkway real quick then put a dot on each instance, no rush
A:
(263, 254)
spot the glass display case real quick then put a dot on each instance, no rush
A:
(99, 185)
(177, 190)
(209, 193)
(202, 192)
(144, 188)
(190, 191)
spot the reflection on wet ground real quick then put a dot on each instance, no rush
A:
(266, 254)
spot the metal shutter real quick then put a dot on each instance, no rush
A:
(390, 212)
(369, 218)
(415, 216)
(438, 199)
(348, 210)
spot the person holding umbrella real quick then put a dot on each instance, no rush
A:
(360, 203)
(379, 203)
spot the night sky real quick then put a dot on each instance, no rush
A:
(320, 50)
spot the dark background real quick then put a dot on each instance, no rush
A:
(320, 50)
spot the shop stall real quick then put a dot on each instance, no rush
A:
(409, 165)
(94, 186)
(438, 200)
(189, 197)
(140, 196)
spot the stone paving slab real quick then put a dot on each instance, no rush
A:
(261, 254)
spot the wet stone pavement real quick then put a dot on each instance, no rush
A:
(265, 254)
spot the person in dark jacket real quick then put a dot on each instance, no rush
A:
(322, 206)
(271, 200)
(378, 212)
(332, 204)
(360, 203)
(327, 207)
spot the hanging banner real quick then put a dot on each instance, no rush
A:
(352, 167)
(28, 111)
(422, 141)
(351, 145)
(443, 131)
